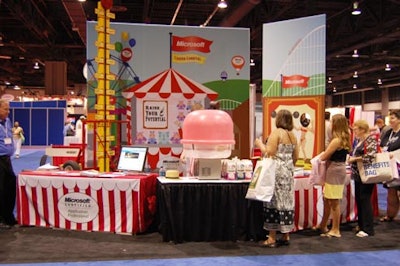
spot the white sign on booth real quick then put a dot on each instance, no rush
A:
(155, 114)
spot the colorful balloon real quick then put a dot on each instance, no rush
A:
(124, 36)
(126, 54)
(132, 42)
(107, 4)
(237, 62)
(118, 46)
(224, 75)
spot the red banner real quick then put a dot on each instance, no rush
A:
(294, 81)
(190, 43)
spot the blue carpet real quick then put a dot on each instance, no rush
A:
(29, 159)
(376, 258)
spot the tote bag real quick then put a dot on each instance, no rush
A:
(318, 171)
(380, 170)
(262, 184)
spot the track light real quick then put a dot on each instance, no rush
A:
(334, 89)
(356, 10)
(355, 75)
(379, 82)
(355, 86)
(355, 54)
(222, 4)
(329, 80)
(36, 66)
(387, 67)
(16, 87)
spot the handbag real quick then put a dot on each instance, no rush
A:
(262, 184)
(22, 137)
(318, 171)
(378, 171)
(395, 182)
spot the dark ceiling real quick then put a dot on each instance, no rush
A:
(54, 30)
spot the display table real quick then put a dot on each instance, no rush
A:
(119, 203)
(216, 210)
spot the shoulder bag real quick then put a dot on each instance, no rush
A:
(262, 184)
(378, 171)
(318, 171)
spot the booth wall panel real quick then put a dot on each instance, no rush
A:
(16, 104)
(23, 117)
(55, 127)
(39, 120)
(42, 121)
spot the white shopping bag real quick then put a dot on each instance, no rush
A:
(262, 184)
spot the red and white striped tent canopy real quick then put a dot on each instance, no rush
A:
(167, 82)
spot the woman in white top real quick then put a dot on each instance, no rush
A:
(17, 132)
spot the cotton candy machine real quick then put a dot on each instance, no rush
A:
(208, 136)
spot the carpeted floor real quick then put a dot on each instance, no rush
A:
(42, 245)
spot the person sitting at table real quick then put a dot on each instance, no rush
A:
(335, 157)
(283, 148)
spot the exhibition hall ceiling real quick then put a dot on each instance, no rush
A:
(36, 31)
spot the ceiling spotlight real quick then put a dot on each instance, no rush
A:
(16, 87)
(355, 54)
(355, 75)
(329, 80)
(355, 86)
(222, 4)
(252, 62)
(379, 82)
(387, 67)
(334, 89)
(36, 66)
(356, 10)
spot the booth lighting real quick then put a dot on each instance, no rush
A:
(222, 4)
(356, 9)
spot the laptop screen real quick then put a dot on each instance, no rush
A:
(132, 158)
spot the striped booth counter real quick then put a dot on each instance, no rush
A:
(110, 203)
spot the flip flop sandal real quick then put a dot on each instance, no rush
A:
(329, 234)
(386, 219)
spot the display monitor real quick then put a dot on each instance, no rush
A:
(132, 159)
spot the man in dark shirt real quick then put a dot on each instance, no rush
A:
(7, 175)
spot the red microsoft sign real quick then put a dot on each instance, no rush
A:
(294, 81)
(190, 43)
